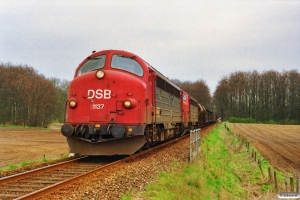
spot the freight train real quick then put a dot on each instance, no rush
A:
(118, 103)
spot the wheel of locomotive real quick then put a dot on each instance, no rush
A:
(147, 145)
(148, 135)
(179, 130)
(172, 134)
(155, 134)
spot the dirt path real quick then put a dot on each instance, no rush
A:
(279, 144)
(18, 145)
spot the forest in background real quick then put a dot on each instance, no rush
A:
(262, 97)
(29, 99)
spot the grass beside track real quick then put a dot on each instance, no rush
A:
(21, 127)
(28, 163)
(224, 170)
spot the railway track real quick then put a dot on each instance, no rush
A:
(40, 182)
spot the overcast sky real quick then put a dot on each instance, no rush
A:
(184, 39)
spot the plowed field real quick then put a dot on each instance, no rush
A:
(26, 145)
(279, 144)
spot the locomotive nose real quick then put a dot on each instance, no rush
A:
(67, 130)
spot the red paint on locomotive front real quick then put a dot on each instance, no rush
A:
(117, 106)
(100, 101)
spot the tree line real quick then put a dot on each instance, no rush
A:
(28, 98)
(265, 96)
(197, 89)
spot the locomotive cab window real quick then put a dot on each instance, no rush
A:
(127, 64)
(92, 64)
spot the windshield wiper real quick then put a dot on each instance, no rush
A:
(94, 58)
(132, 57)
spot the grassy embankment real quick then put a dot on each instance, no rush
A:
(225, 170)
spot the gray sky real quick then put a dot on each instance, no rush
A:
(183, 39)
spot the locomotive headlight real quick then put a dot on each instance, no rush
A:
(130, 103)
(127, 104)
(100, 74)
(72, 103)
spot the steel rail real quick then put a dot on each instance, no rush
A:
(27, 174)
(52, 188)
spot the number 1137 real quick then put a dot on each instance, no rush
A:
(98, 106)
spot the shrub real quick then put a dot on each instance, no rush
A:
(241, 120)
(291, 122)
(271, 121)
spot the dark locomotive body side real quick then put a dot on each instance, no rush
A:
(118, 103)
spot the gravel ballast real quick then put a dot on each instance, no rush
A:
(134, 175)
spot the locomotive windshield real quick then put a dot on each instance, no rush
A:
(127, 64)
(92, 64)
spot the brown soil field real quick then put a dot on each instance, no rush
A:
(279, 144)
(19, 145)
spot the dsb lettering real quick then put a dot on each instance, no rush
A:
(99, 94)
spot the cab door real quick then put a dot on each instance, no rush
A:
(151, 100)
(185, 108)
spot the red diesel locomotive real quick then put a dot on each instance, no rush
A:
(118, 103)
